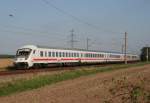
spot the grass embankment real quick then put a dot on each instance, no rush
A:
(37, 82)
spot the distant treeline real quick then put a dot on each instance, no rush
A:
(145, 54)
(6, 56)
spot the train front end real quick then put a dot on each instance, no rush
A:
(23, 57)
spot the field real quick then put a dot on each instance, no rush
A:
(117, 84)
(5, 63)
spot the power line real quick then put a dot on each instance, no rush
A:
(76, 18)
(87, 43)
(72, 41)
(125, 48)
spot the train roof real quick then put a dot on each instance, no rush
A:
(77, 49)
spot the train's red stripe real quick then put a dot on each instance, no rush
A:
(54, 59)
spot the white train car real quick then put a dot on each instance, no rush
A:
(31, 55)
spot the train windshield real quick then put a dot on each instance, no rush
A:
(23, 52)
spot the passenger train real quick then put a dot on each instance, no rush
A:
(30, 56)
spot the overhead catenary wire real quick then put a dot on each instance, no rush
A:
(77, 18)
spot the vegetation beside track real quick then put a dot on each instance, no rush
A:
(37, 82)
(2, 56)
(5, 63)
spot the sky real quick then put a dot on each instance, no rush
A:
(49, 23)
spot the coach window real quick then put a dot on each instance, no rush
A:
(41, 53)
(45, 54)
(56, 54)
(62, 54)
(59, 54)
(97, 55)
(77, 54)
(74, 54)
(66, 54)
(49, 54)
(53, 54)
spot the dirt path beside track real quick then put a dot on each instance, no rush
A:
(87, 89)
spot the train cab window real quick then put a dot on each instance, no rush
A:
(41, 53)
(53, 53)
(34, 51)
(49, 54)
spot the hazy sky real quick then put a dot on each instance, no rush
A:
(49, 22)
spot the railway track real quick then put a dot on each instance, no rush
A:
(15, 72)
(55, 68)
(23, 71)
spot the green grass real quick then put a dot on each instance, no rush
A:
(37, 82)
